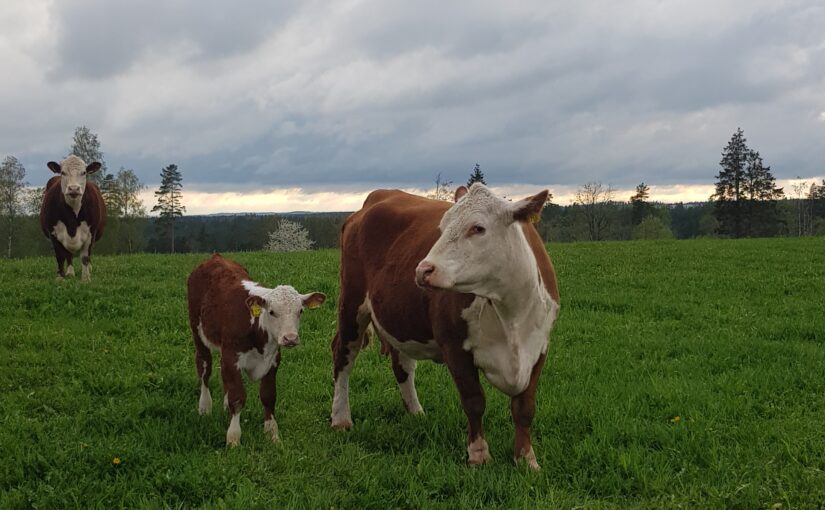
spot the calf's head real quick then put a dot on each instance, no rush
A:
(279, 312)
(481, 242)
(73, 172)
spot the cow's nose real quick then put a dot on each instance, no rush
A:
(423, 273)
(290, 340)
(74, 189)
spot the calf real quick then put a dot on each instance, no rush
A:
(248, 324)
(468, 284)
(73, 214)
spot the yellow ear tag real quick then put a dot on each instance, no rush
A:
(534, 218)
(256, 310)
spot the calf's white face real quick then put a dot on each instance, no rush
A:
(480, 237)
(279, 310)
(73, 172)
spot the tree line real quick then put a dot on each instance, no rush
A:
(746, 203)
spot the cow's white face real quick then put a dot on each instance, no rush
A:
(73, 172)
(480, 239)
(279, 310)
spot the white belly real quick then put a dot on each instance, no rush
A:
(74, 243)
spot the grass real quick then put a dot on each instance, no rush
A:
(684, 374)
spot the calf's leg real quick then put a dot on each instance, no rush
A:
(234, 396)
(203, 365)
(268, 394)
(523, 409)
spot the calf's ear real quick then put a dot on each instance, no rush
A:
(460, 192)
(529, 209)
(313, 300)
(254, 304)
(54, 166)
(92, 168)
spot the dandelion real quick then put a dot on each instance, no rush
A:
(676, 419)
(116, 461)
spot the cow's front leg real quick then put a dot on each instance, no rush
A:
(86, 261)
(234, 396)
(465, 375)
(268, 394)
(60, 257)
(69, 265)
(523, 408)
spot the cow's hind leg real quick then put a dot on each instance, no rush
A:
(404, 369)
(353, 320)
(523, 408)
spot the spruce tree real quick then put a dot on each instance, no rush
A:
(476, 176)
(169, 197)
(640, 207)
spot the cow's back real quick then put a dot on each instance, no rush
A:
(210, 283)
(381, 244)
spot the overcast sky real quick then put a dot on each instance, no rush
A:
(274, 106)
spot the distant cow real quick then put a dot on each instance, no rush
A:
(248, 324)
(73, 214)
(468, 284)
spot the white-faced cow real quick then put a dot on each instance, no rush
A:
(73, 214)
(469, 285)
(248, 324)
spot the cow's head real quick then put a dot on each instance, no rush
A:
(73, 172)
(279, 312)
(480, 243)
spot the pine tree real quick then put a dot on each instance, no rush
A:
(476, 176)
(169, 197)
(640, 207)
(746, 194)
(86, 146)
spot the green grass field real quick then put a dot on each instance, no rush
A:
(684, 374)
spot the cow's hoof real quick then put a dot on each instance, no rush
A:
(59, 278)
(529, 459)
(233, 439)
(478, 452)
(85, 279)
(70, 271)
(205, 407)
(342, 425)
(271, 429)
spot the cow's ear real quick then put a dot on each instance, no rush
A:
(92, 168)
(255, 304)
(529, 209)
(54, 166)
(313, 299)
(460, 192)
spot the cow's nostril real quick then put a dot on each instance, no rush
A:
(423, 272)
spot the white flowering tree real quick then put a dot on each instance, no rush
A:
(289, 236)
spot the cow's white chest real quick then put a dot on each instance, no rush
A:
(72, 243)
(506, 354)
(258, 364)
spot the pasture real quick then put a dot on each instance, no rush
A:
(682, 374)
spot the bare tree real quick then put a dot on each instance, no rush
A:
(594, 198)
(443, 190)
(800, 191)
(12, 194)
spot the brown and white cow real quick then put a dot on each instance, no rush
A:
(73, 214)
(248, 324)
(468, 284)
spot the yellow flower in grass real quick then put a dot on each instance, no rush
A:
(676, 419)
(116, 461)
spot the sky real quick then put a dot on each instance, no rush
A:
(280, 106)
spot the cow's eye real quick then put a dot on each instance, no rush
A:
(476, 230)
(82, 174)
(272, 313)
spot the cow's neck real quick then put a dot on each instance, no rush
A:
(74, 205)
(518, 291)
